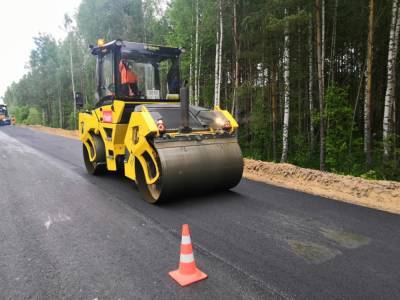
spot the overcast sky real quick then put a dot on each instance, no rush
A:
(20, 21)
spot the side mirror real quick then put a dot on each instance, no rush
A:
(79, 100)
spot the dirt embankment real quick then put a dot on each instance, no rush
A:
(378, 194)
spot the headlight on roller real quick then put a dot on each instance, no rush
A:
(161, 126)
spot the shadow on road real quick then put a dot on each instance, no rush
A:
(122, 186)
(219, 197)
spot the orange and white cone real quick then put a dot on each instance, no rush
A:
(187, 273)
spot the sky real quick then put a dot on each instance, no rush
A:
(20, 21)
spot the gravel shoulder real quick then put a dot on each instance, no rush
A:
(377, 194)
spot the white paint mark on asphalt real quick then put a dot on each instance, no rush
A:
(59, 218)
(48, 223)
(63, 218)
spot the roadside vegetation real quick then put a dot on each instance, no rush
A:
(312, 83)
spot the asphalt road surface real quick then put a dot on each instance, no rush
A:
(67, 235)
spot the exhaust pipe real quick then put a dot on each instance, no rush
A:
(184, 99)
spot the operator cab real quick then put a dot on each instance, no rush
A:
(4, 119)
(3, 110)
(133, 72)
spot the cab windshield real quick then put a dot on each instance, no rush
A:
(3, 110)
(134, 71)
(146, 78)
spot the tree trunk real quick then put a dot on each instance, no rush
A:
(191, 76)
(274, 88)
(300, 80)
(368, 86)
(221, 37)
(43, 117)
(60, 105)
(72, 79)
(391, 72)
(199, 74)
(323, 42)
(361, 76)
(311, 84)
(49, 110)
(235, 105)
(395, 154)
(216, 103)
(142, 12)
(218, 58)
(320, 60)
(191, 66)
(331, 79)
(196, 63)
(285, 135)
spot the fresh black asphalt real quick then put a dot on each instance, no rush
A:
(67, 235)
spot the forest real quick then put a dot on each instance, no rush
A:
(311, 82)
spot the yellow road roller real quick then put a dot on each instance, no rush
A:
(144, 127)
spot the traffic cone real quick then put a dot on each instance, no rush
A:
(187, 273)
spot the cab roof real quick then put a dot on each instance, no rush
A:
(139, 49)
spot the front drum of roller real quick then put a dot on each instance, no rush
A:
(192, 167)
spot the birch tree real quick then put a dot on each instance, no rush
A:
(199, 74)
(274, 104)
(218, 59)
(191, 73)
(391, 75)
(320, 59)
(368, 86)
(191, 64)
(286, 58)
(60, 118)
(235, 104)
(216, 75)
(68, 28)
(196, 63)
(221, 38)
